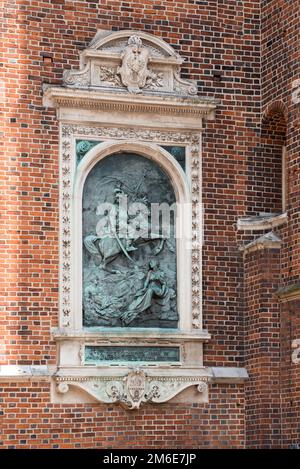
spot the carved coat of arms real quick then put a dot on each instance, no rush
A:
(134, 69)
(136, 385)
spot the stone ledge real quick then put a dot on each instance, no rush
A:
(228, 374)
(181, 107)
(261, 222)
(218, 374)
(289, 293)
(145, 335)
(267, 241)
(26, 372)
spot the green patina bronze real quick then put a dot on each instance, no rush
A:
(129, 278)
(178, 153)
(83, 146)
(95, 354)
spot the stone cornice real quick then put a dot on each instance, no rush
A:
(142, 335)
(289, 293)
(260, 223)
(26, 372)
(229, 374)
(267, 241)
(128, 386)
(217, 374)
(60, 97)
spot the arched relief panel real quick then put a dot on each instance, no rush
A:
(129, 272)
(169, 169)
(154, 124)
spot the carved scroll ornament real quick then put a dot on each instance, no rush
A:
(134, 389)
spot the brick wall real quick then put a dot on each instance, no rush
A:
(290, 374)
(29, 421)
(262, 349)
(280, 67)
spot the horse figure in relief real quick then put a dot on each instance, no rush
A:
(108, 243)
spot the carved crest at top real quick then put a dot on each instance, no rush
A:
(134, 71)
(133, 62)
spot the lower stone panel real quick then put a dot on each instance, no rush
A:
(29, 420)
(131, 391)
(129, 387)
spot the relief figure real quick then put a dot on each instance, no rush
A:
(129, 263)
(155, 286)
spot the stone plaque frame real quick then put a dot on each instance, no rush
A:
(129, 122)
(137, 362)
(180, 184)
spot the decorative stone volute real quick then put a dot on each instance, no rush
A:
(130, 61)
(136, 387)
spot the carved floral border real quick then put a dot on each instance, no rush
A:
(67, 170)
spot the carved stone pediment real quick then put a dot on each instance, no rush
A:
(130, 61)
